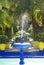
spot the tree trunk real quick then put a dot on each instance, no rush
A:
(12, 32)
(36, 28)
(8, 32)
(43, 22)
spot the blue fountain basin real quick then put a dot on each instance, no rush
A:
(21, 45)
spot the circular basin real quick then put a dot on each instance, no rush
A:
(21, 45)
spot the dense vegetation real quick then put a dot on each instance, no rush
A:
(10, 10)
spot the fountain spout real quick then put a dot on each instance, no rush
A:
(21, 40)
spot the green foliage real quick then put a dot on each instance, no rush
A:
(5, 3)
(38, 16)
(4, 39)
(1, 31)
(11, 9)
(40, 37)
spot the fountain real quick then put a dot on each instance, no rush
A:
(22, 45)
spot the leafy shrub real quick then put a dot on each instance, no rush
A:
(4, 39)
(40, 37)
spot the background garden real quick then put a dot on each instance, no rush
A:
(10, 11)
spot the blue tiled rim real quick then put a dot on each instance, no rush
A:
(37, 54)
